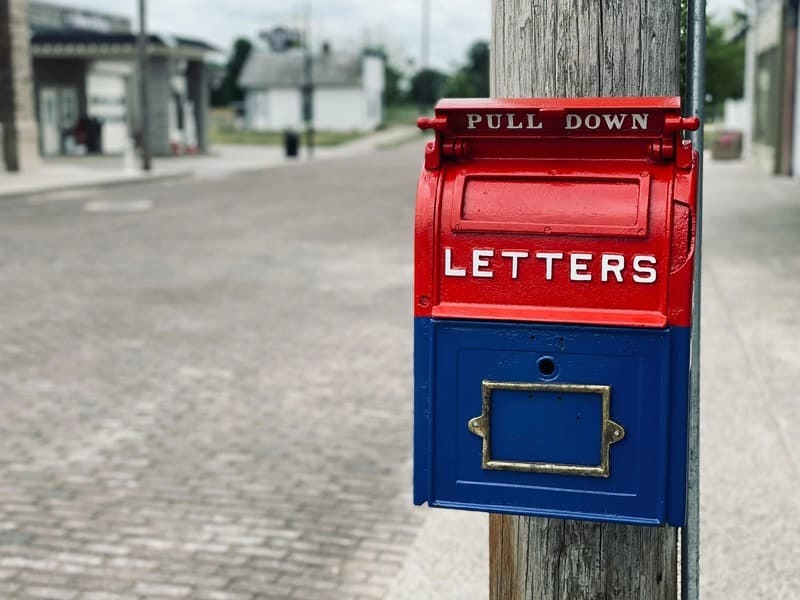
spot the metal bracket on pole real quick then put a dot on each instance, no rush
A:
(695, 100)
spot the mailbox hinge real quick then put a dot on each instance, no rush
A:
(438, 149)
(433, 149)
(672, 146)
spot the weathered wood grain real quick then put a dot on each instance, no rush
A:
(585, 48)
(545, 48)
(553, 559)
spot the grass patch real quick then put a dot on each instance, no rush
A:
(275, 138)
(414, 136)
(222, 130)
(402, 114)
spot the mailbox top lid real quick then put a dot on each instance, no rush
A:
(664, 102)
(637, 117)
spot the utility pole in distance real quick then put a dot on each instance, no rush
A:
(425, 49)
(572, 48)
(307, 88)
(144, 104)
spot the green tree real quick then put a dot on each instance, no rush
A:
(229, 91)
(725, 50)
(724, 64)
(427, 86)
(472, 79)
(392, 76)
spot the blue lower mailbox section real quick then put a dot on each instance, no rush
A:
(556, 421)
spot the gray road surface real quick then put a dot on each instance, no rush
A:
(205, 392)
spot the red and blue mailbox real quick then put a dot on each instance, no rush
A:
(553, 285)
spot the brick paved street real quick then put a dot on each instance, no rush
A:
(205, 386)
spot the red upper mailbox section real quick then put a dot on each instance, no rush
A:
(557, 210)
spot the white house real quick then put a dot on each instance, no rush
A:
(348, 90)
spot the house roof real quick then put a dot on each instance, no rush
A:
(45, 15)
(285, 69)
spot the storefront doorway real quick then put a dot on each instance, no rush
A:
(58, 113)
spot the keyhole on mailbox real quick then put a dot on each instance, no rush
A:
(547, 366)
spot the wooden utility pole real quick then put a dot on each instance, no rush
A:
(546, 48)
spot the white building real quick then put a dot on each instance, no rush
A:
(348, 91)
(771, 121)
(86, 84)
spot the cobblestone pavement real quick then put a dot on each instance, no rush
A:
(205, 386)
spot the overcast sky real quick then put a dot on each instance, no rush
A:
(346, 24)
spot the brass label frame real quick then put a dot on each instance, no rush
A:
(610, 431)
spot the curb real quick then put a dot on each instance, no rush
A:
(103, 183)
(340, 151)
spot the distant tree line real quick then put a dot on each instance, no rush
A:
(227, 90)
(470, 80)
(725, 49)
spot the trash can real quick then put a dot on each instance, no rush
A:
(291, 143)
(94, 136)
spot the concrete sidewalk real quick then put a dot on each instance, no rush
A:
(750, 522)
(67, 173)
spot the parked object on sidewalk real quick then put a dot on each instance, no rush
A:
(94, 138)
(87, 134)
(728, 145)
(291, 143)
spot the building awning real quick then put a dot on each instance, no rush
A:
(96, 44)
